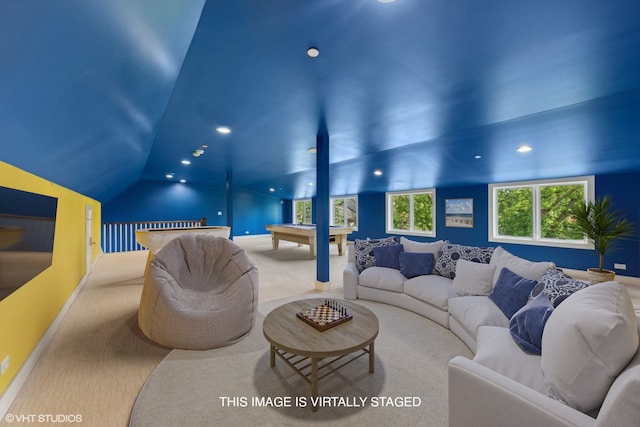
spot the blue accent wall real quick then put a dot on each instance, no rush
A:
(287, 211)
(159, 201)
(622, 188)
(252, 211)
(371, 216)
(151, 200)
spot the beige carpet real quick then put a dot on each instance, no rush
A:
(98, 360)
(412, 353)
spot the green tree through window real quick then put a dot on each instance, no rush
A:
(556, 203)
(302, 211)
(515, 212)
(411, 212)
(344, 211)
(401, 217)
(423, 212)
(538, 211)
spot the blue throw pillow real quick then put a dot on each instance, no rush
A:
(511, 292)
(387, 256)
(414, 264)
(364, 251)
(527, 324)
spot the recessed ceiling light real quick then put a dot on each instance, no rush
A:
(524, 148)
(312, 150)
(313, 52)
(377, 172)
(169, 175)
(477, 156)
(186, 162)
(272, 189)
(183, 181)
(205, 146)
(197, 153)
(223, 130)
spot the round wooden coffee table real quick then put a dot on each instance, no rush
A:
(297, 343)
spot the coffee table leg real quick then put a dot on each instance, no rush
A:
(314, 381)
(272, 356)
(371, 359)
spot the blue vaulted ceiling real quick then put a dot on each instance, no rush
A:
(84, 86)
(98, 95)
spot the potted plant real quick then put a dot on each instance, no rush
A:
(601, 224)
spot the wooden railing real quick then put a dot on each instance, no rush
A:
(121, 236)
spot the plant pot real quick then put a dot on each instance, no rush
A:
(597, 276)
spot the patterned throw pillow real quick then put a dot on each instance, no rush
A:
(365, 257)
(451, 253)
(557, 286)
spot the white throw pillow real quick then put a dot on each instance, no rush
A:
(421, 247)
(501, 258)
(473, 278)
(586, 343)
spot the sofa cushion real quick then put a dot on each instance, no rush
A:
(387, 256)
(364, 255)
(557, 286)
(620, 407)
(501, 258)
(451, 253)
(511, 292)
(497, 351)
(414, 264)
(473, 278)
(384, 278)
(421, 247)
(436, 290)
(475, 311)
(587, 341)
(527, 325)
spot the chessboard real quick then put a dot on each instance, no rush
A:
(324, 316)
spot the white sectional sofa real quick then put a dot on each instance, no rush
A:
(588, 372)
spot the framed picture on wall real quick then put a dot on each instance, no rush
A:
(458, 213)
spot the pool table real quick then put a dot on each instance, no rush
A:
(305, 234)
(155, 238)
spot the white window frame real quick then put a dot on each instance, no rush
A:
(295, 203)
(344, 214)
(537, 240)
(411, 232)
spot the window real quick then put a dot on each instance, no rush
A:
(412, 212)
(344, 211)
(538, 212)
(302, 211)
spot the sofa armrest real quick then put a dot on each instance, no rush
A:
(350, 277)
(480, 396)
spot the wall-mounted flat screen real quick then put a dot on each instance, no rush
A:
(27, 227)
